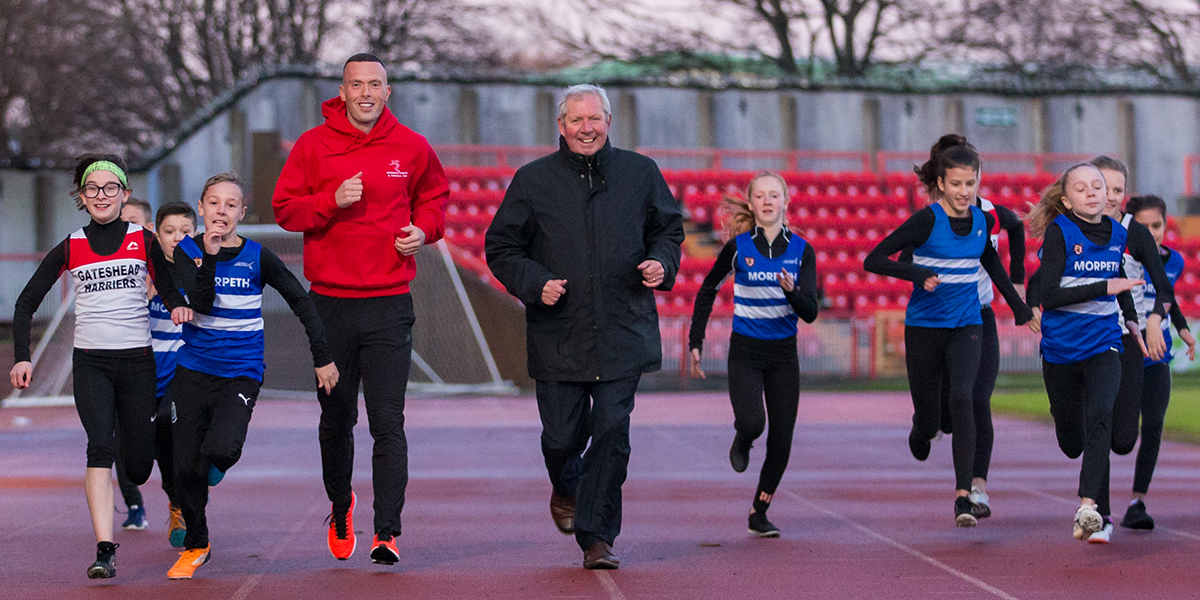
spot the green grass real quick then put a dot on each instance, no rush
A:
(1183, 414)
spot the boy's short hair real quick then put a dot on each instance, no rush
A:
(147, 212)
(226, 177)
(174, 208)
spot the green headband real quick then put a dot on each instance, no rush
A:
(104, 165)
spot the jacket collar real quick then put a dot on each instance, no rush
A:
(343, 136)
(580, 163)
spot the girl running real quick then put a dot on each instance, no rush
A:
(943, 322)
(1151, 212)
(1083, 289)
(114, 371)
(775, 285)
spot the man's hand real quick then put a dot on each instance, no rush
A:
(409, 244)
(327, 377)
(786, 281)
(212, 240)
(1035, 324)
(349, 192)
(182, 315)
(1190, 340)
(696, 371)
(652, 273)
(21, 374)
(553, 290)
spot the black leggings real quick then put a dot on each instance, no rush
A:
(1155, 396)
(1127, 406)
(770, 370)
(162, 452)
(1081, 402)
(981, 396)
(114, 386)
(931, 352)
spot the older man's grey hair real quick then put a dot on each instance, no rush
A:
(580, 90)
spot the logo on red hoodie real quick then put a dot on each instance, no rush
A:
(396, 172)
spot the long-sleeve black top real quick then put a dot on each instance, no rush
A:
(802, 298)
(914, 232)
(105, 240)
(200, 285)
(1140, 245)
(1054, 260)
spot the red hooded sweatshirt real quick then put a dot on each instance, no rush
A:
(350, 252)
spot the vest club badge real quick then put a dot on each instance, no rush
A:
(1078, 249)
(749, 261)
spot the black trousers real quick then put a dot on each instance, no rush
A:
(163, 452)
(1128, 405)
(931, 353)
(1081, 402)
(212, 415)
(111, 387)
(1156, 394)
(765, 370)
(981, 396)
(571, 413)
(371, 340)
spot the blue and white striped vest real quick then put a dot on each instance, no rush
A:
(1174, 269)
(760, 308)
(228, 342)
(955, 259)
(1075, 333)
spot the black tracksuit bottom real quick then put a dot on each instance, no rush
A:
(163, 453)
(1081, 401)
(765, 370)
(212, 416)
(981, 397)
(117, 387)
(571, 413)
(1156, 394)
(1128, 405)
(930, 353)
(371, 341)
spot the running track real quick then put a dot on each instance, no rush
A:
(861, 518)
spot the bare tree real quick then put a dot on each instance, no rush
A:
(1161, 37)
(432, 32)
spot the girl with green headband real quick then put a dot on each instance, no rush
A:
(114, 373)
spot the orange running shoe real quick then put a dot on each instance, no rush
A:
(341, 531)
(383, 551)
(189, 561)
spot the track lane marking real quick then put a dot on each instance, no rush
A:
(252, 581)
(610, 586)
(991, 589)
(1050, 496)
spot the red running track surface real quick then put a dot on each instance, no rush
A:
(861, 518)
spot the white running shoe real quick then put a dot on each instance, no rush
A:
(1087, 522)
(1103, 536)
(979, 503)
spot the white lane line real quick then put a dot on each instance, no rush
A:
(995, 591)
(251, 582)
(1183, 534)
(610, 586)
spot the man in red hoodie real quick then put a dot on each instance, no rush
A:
(367, 192)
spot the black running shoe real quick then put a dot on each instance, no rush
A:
(739, 452)
(919, 445)
(105, 566)
(963, 515)
(761, 527)
(1136, 517)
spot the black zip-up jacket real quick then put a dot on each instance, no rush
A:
(590, 220)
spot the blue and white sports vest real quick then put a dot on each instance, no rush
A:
(986, 295)
(1174, 268)
(1075, 333)
(955, 259)
(228, 342)
(1134, 269)
(760, 308)
(166, 338)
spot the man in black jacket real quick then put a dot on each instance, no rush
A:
(583, 238)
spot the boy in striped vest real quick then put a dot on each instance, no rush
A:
(220, 366)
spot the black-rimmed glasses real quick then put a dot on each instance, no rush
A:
(110, 190)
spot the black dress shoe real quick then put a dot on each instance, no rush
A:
(600, 556)
(739, 452)
(562, 509)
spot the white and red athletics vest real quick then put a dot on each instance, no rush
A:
(110, 293)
